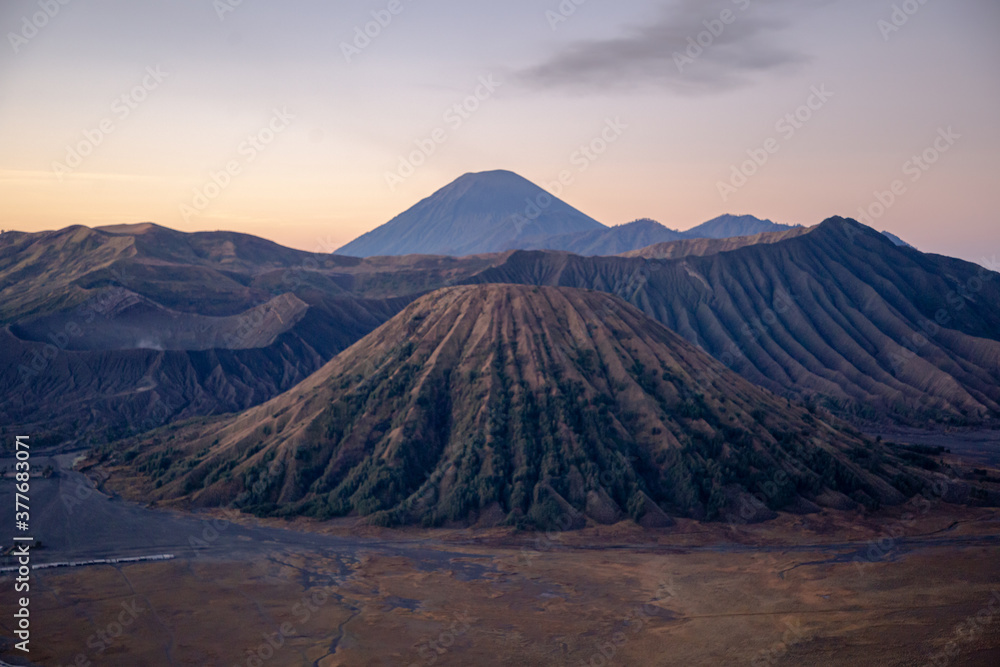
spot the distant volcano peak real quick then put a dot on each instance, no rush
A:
(478, 212)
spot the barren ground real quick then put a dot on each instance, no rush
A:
(895, 588)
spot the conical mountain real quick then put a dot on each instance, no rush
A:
(727, 226)
(533, 406)
(477, 213)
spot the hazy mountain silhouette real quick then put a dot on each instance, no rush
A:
(498, 210)
(710, 246)
(610, 241)
(726, 226)
(477, 213)
(633, 237)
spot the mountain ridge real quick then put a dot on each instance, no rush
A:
(708, 246)
(522, 405)
(728, 226)
(610, 241)
(476, 213)
(852, 326)
(499, 210)
(83, 301)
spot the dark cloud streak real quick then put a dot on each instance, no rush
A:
(645, 55)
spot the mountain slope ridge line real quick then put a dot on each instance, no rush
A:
(571, 404)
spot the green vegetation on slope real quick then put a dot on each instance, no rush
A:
(531, 406)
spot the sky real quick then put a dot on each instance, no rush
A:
(310, 122)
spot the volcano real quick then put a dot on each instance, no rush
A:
(483, 212)
(529, 406)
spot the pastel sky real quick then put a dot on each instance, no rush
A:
(117, 111)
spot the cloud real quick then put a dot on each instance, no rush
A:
(661, 54)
